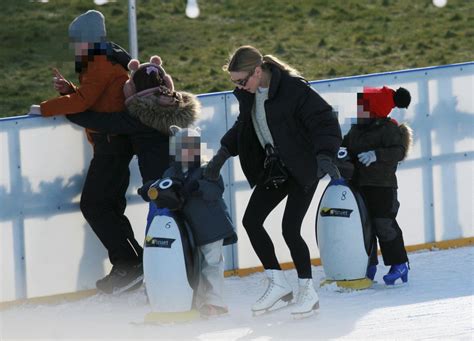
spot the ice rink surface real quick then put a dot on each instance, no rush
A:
(437, 304)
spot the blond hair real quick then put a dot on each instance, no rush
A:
(247, 58)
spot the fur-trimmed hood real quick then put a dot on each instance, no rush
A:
(151, 113)
(407, 137)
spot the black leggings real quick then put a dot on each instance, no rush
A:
(261, 203)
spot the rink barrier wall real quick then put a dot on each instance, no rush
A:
(53, 299)
(442, 245)
(75, 296)
(44, 160)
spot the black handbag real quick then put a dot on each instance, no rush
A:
(274, 172)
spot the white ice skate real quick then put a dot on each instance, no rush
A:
(307, 300)
(277, 295)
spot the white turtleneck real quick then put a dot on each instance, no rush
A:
(259, 119)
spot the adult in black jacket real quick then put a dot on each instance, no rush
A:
(285, 130)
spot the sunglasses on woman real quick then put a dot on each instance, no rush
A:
(243, 82)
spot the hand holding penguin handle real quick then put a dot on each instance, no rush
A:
(327, 166)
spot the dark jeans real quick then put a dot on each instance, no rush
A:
(261, 203)
(103, 199)
(383, 205)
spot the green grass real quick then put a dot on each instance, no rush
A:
(323, 39)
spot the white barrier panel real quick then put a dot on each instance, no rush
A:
(46, 247)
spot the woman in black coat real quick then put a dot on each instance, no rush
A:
(286, 137)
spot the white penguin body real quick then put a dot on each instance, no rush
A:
(343, 233)
(166, 279)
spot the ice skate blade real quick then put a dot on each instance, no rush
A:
(280, 304)
(355, 284)
(171, 317)
(301, 315)
(396, 285)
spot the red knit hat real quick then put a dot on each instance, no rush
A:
(378, 102)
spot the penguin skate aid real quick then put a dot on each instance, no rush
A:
(290, 168)
(342, 219)
(185, 201)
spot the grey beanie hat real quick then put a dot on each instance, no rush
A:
(88, 27)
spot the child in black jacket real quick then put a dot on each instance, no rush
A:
(378, 143)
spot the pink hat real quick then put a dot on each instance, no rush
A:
(149, 79)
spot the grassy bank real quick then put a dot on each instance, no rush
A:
(323, 39)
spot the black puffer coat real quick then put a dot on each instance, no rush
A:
(150, 145)
(147, 124)
(302, 125)
(390, 143)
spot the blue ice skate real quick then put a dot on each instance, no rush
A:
(396, 271)
(371, 271)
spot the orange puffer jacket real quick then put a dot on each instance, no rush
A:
(101, 89)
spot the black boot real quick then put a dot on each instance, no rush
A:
(122, 277)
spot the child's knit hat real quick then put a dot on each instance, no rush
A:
(185, 138)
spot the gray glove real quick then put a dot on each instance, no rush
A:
(327, 166)
(367, 158)
(213, 168)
